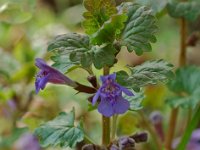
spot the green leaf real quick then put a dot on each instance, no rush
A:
(150, 72)
(189, 10)
(186, 80)
(60, 131)
(69, 51)
(186, 86)
(188, 101)
(104, 55)
(156, 5)
(135, 101)
(98, 11)
(86, 59)
(109, 30)
(122, 77)
(15, 12)
(72, 50)
(63, 64)
(139, 29)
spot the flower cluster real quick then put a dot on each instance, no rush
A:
(110, 93)
(111, 99)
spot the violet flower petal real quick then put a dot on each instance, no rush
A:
(50, 74)
(108, 77)
(126, 91)
(95, 98)
(121, 105)
(112, 101)
(105, 108)
(112, 76)
(40, 83)
(41, 64)
(43, 82)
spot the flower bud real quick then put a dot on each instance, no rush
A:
(126, 143)
(93, 147)
(92, 80)
(140, 137)
(157, 119)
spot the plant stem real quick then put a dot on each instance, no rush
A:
(183, 33)
(89, 70)
(114, 126)
(189, 116)
(182, 62)
(171, 130)
(106, 130)
(151, 130)
(106, 70)
(105, 120)
(84, 88)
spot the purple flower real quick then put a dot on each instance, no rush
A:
(156, 119)
(111, 101)
(126, 143)
(49, 74)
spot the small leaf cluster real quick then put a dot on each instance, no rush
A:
(107, 28)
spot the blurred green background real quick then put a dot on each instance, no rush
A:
(26, 26)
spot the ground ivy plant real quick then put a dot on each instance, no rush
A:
(108, 28)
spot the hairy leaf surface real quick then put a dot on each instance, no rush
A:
(150, 72)
(135, 101)
(60, 131)
(98, 11)
(139, 29)
(104, 55)
(69, 50)
(109, 30)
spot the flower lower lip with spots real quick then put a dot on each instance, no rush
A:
(111, 99)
